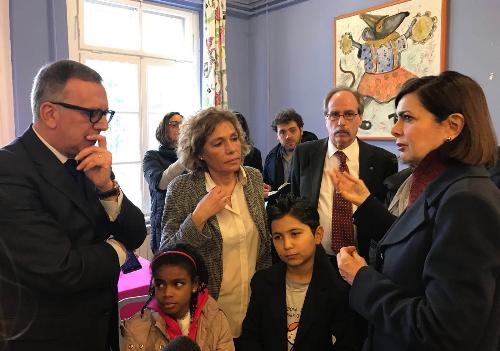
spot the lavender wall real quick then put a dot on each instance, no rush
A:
(238, 72)
(291, 59)
(38, 33)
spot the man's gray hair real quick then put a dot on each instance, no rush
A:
(51, 80)
(358, 96)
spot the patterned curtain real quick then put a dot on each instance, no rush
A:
(214, 55)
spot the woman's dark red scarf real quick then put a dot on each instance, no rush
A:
(173, 329)
(431, 167)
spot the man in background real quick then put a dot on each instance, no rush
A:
(289, 128)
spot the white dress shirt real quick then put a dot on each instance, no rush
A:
(325, 201)
(240, 242)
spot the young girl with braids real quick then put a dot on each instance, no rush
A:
(179, 304)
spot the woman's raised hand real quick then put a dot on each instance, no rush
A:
(209, 206)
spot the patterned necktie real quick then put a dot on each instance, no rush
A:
(342, 228)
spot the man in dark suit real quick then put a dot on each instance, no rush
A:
(65, 224)
(343, 111)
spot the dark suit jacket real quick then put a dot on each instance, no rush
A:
(273, 173)
(375, 164)
(62, 275)
(325, 311)
(436, 284)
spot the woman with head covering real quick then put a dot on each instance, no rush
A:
(158, 173)
(435, 284)
(218, 208)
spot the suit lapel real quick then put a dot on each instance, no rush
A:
(423, 208)
(316, 165)
(406, 225)
(366, 166)
(276, 309)
(314, 302)
(54, 172)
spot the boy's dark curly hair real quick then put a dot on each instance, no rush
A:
(300, 209)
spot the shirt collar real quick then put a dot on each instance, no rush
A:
(59, 155)
(352, 151)
(210, 184)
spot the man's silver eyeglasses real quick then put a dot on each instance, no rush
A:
(335, 115)
(94, 114)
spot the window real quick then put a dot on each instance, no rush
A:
(148, 56)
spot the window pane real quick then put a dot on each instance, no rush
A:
(153, 121)
(164, 34)
(121, 80)
(123, 137)
(129, 176)
(171, 87)
(112, 25)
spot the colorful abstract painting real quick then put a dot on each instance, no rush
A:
(378, 49)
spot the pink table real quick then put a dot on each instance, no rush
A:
(134, 284)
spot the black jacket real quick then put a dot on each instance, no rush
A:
(155, 162)
(325, 312)
(273, 168)
(436, 282)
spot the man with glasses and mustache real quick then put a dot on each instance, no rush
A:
(343, 111)
(65, 224)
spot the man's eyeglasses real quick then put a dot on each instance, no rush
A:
(175, 125)
(335, 115)
(95, 114)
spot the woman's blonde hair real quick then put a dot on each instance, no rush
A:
(195, 131)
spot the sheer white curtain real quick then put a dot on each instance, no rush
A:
(7, 131)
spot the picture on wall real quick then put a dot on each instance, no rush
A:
(379, 48)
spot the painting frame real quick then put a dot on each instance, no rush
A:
(378, 48)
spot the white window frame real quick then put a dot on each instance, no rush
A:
(79, 52)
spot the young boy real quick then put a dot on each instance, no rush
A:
(300, 303)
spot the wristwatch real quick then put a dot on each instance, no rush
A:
(114, 191)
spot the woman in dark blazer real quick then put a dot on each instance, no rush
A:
(156, 166)
(436, 281)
